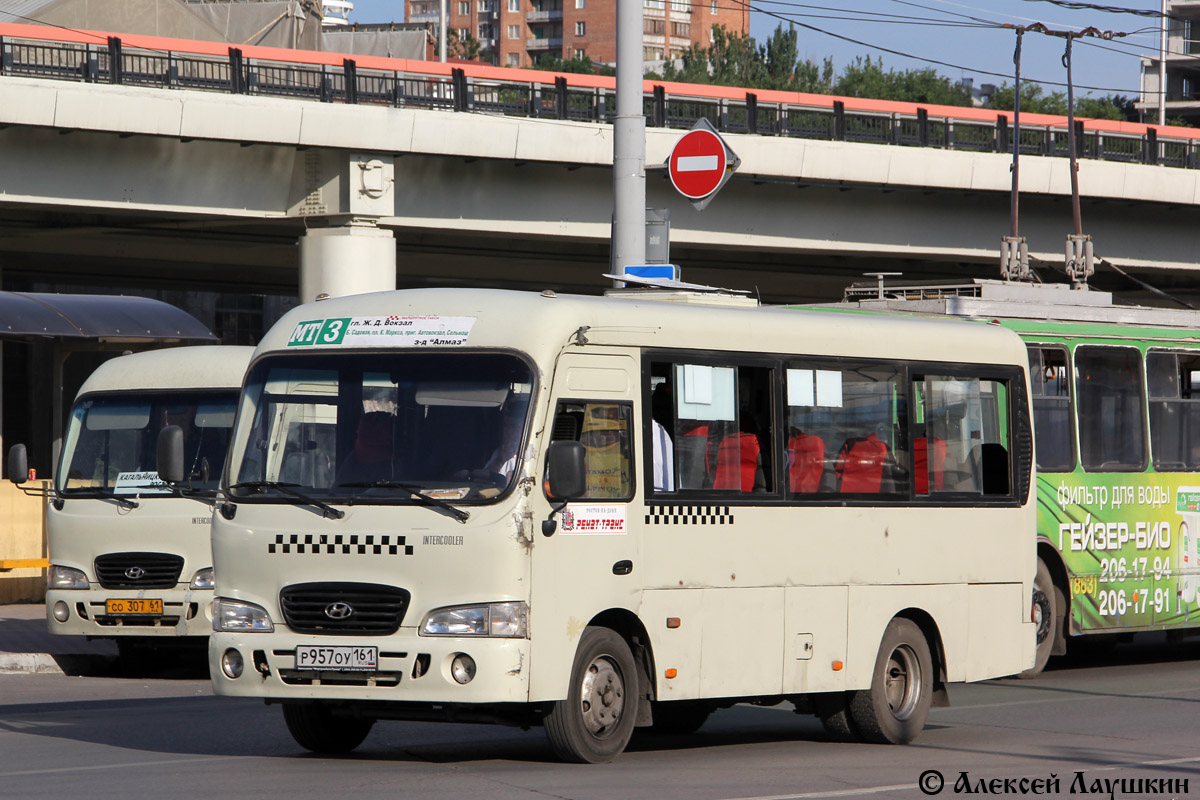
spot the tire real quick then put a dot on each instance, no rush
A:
(894, 709)
(833, 709)
(679, 717)
(594, 723)
(315, 728)
(1047, 613)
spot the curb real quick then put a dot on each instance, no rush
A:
(29, 663)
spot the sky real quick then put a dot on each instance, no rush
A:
(961, 34)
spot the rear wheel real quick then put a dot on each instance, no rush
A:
(594, 723)
(316, 728)
(1046, 613)
(896, 706)
(833, 709)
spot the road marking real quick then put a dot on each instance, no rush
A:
(834, 793)
(61, 770)
(696, 164)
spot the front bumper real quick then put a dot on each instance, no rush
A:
(413, 669)
(186, 612)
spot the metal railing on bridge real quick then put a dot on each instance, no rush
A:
(178, 64)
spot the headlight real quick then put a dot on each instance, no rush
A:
(203, 579)
(509, 620)
(234, 615)
(67, 578)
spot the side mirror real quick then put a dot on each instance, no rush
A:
(170, 454)
(566, 473)
(18, 464)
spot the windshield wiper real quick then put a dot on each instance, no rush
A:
(327, 511)
(414, 492)
(100, 494)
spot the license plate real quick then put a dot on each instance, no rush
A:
(338, 659)
(131, 607)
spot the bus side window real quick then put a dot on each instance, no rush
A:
(1051, 382)
(961, 443)
(1174, 385)
(605, 431)
(846, 430)
(722, 439)
(1110, 396)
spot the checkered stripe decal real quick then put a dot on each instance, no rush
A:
(339, 543)
(689, 515)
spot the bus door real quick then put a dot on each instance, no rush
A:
(590, 562)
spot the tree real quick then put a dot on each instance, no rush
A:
(734, 59)
(577, 64)
(866, 78)
(1112, 106)
(1033, 99)
(467, 47)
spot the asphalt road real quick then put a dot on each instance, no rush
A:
(1132, 713)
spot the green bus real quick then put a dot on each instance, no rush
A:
(1116, 404)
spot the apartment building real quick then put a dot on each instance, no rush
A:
(517, 33)
(1182, 67)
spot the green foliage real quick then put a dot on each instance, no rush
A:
(734, 59)
(866, 78)
(576, 64)
(468, 47)
(1034, 100)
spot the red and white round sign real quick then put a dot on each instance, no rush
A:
(697, 164)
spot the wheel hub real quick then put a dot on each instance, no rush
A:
(602, 696)
(902, 682)
(1041, 614)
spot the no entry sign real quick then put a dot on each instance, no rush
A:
(700, 163)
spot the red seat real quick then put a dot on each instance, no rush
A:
(737, 462)
(921, 464)
(806, 462)
(860, 464)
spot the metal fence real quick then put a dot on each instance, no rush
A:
(114, 63)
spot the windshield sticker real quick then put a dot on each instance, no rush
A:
(447, 494)
(140, 483)
(593, 519)
(430, 330)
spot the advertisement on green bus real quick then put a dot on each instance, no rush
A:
(1130, 543)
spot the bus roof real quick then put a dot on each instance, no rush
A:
(203, 367)
(542, 325)
(1054, 309)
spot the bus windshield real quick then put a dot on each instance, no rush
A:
(111, 441)
(381, 428)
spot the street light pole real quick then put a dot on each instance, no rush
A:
(629, 143)
(443, 21)
(1162, 68)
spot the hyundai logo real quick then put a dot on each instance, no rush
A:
(135, 573)
(339, 610)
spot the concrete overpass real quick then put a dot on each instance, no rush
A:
(155, 187)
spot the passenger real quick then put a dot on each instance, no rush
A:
(371, 460)
(502, 463)
(664, 458)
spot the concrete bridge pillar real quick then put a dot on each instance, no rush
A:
(348, 259)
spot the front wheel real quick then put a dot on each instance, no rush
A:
(317, 729)
(594, 723)
(896, 706)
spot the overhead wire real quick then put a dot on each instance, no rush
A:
(786, 17)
